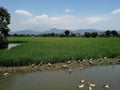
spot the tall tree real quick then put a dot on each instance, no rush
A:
(114, 33)
(87, 34)
(94, 34)
(67, 32)
(4, 20)
(108, 33)
(4, 29)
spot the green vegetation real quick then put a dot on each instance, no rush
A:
(36, 50)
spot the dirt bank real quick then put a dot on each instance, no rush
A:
(80, 64)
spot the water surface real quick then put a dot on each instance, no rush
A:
(11, 45)
(63, 80)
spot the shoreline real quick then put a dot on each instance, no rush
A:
(79, 64)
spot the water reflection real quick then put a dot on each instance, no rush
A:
(7, 82)
(63, 80)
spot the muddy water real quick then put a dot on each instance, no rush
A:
(63, 80)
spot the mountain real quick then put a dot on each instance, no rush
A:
(58, 31)
(82, 31)
(55, 30)
(25, 32)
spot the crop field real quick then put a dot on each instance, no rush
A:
(37, 49)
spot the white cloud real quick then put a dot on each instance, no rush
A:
(66, 21)
(23, 13)
(116, 12)
(68, 10)
(61, 19)
(92, 20)
(40, 19)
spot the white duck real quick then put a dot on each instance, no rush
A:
(91, 84)
(68, 62)
(49, 64)
(82, 81)
(70, 70)
(107, 86)
(89, 88)
(81, 68)
(81, 86)
(5, 74)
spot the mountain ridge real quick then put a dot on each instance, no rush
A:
(57, 31)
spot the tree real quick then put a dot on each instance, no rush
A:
(108, 33)
(67, 32)
(73, 35)
(94, 34)
(4, 20)
(87, 34)
(62, 35)
(114, 33)
(4, 29)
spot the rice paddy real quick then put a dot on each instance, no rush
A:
(55, 50)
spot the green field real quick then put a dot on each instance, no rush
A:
(36, 49)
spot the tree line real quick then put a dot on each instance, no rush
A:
(68, 33)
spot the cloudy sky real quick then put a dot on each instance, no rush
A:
(41, 15)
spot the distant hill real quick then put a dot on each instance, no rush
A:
(25, 32)
(58, 31)
(82, 31)
(55, 30)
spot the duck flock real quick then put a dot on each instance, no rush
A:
(90, 85)
(82, 82)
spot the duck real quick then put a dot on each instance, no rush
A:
(65, 66)
(5, 74)
(82, 81)
(107, 86)
(49, 64)
(68, 62)
(33, 65)
(105, 58)
(89, 88)
(70, 70)
(81, 86)
(91, 84)
(90, 62)
(81, 68)
(83, 60)
(78, 61)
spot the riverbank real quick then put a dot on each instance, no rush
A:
(79, 64)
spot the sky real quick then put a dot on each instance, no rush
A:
(43, 15)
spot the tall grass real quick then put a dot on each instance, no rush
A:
(36, 50)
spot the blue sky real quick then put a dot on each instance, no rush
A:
(41, 15)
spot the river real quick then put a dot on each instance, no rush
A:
(63, 80)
